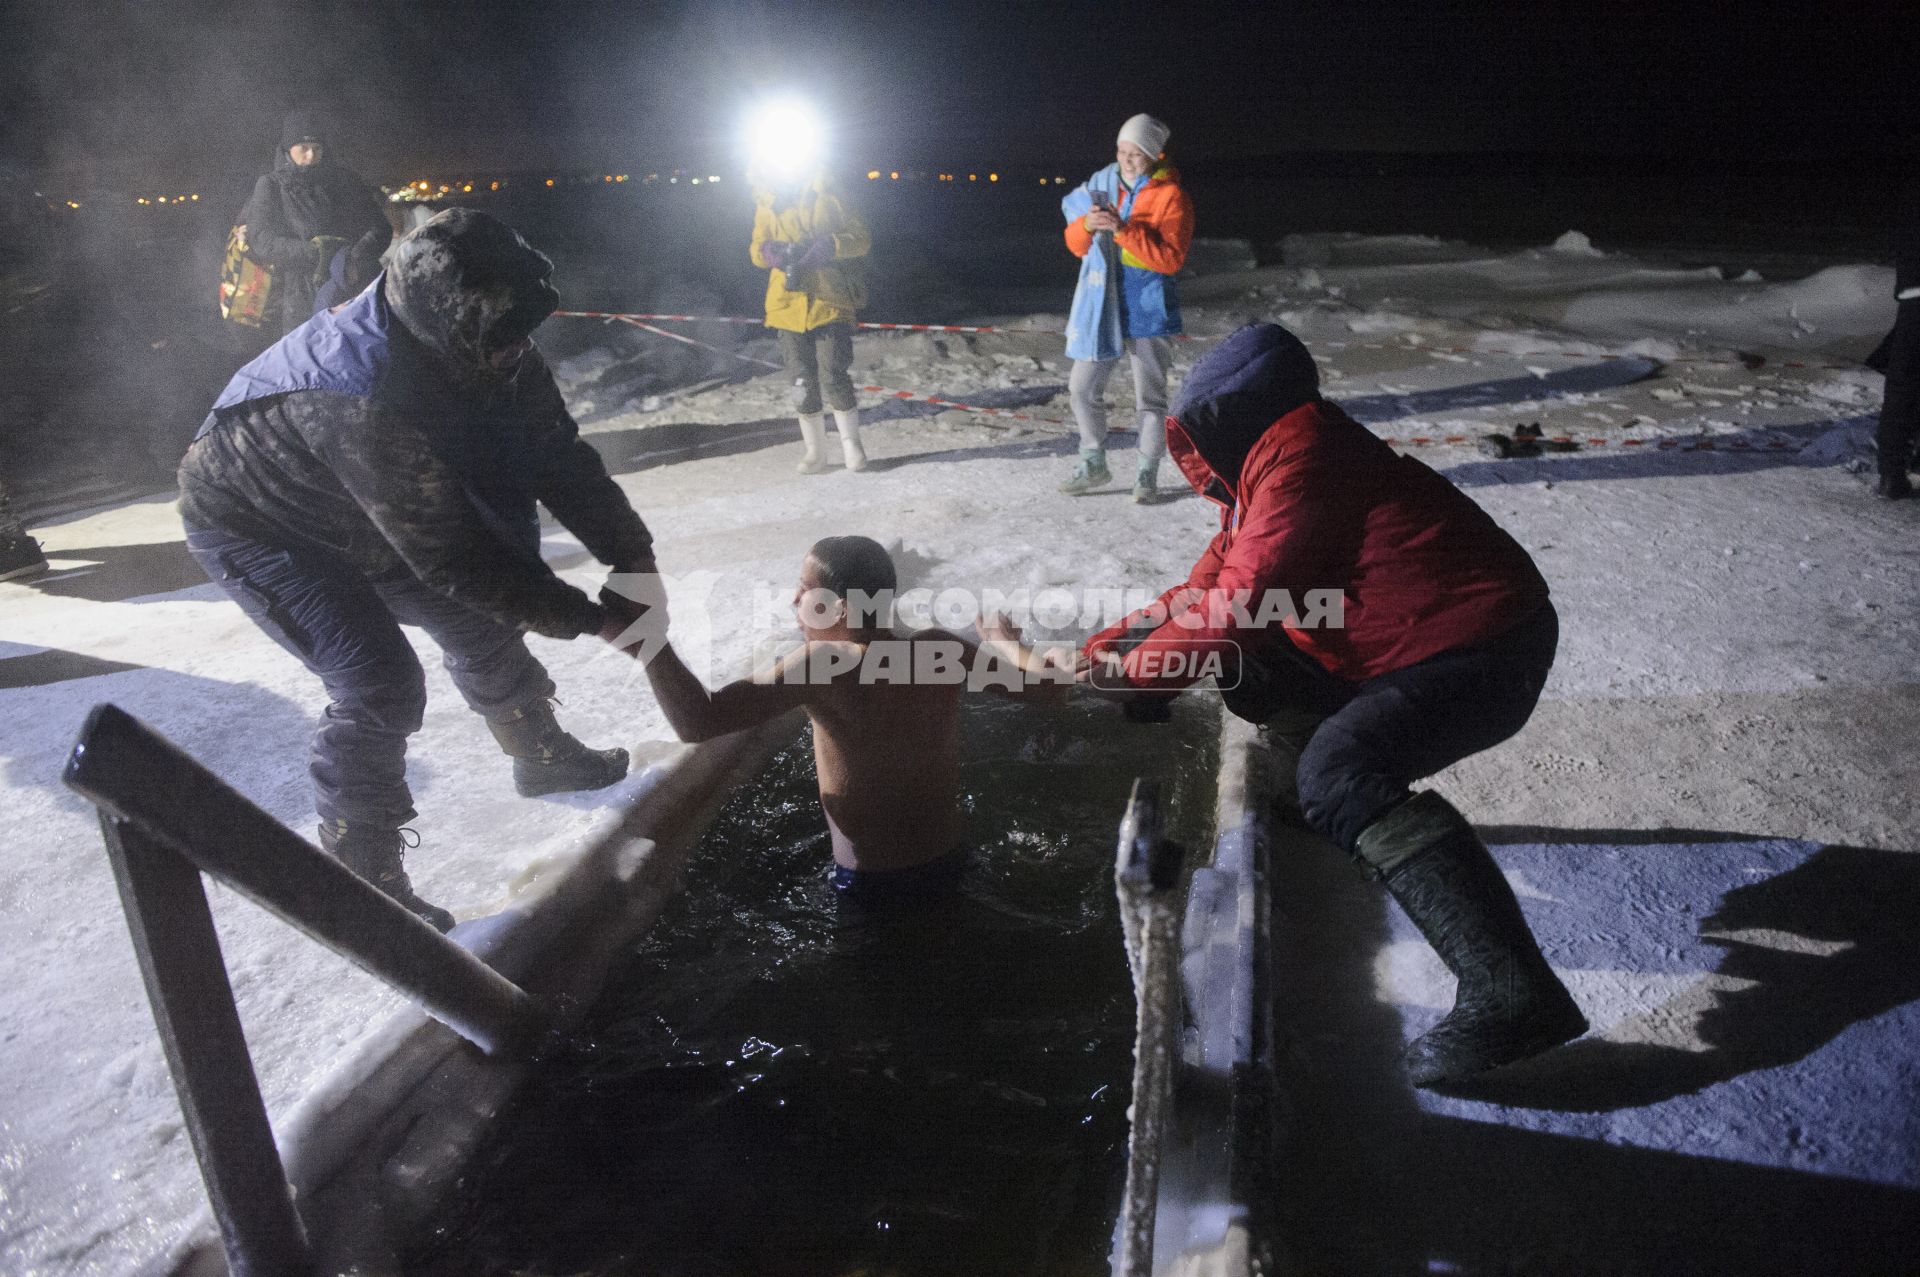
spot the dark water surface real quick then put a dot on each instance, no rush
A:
(770, 1087)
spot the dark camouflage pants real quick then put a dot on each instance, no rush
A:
(345, 628)
(818, 362)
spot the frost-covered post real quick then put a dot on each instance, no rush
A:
(1146, 871)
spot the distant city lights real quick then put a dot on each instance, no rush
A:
(426, 189)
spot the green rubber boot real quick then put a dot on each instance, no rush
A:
(1146, 481)
(1509, 1004)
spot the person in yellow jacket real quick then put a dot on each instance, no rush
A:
(812, 243)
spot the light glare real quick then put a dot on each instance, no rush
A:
(785, 139)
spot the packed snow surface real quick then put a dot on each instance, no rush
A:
(1739, 649)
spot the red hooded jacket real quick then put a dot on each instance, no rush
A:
(1313, 501)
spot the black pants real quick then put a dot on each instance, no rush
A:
(345, 628)
(1416, 721)
(1899, 431)
(817, 362)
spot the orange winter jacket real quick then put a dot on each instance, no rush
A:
(1158, 229)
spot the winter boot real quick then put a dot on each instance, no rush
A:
(546, 760)
(20, 556)
(847, 421)
(1509, 1005)
(1146, 481)
(1091, 473)
(1892, 486)
(375, 854)
(813, 433)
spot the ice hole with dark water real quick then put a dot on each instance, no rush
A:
(772, 1086)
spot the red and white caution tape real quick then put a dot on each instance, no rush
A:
(1750, 362)
(743, 319)
(883, 391)
(1563, 442)
(688, 341)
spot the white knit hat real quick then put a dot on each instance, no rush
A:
(1147, 133)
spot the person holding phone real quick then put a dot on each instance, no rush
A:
(1130, 224)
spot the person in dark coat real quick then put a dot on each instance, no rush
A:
(308, 219)
(20, 554)
(1897, 437)
(1354, 588)
(379, 467)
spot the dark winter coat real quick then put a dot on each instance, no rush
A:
(292, 205)
(1906, 246)
(1312, 500)
(381, 433)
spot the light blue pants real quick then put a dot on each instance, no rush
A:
(1151, 358)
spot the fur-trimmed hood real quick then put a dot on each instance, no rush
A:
(465, 284)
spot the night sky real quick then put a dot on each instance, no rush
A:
(118, 92)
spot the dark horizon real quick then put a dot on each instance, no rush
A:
(171, 91)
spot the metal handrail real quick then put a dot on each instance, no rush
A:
(166, 820)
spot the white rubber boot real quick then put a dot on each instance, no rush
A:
(813, 433)
(848, 421)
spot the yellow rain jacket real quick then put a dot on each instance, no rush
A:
(824, 294)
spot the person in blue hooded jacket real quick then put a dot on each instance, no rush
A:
(1130, 224)
(379, 467)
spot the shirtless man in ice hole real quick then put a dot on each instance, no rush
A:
(884, 703)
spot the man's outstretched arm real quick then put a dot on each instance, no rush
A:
(696, 714)
(1042, 676)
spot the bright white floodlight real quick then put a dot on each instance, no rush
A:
(785, 138)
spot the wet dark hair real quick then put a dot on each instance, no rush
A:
(859, 570)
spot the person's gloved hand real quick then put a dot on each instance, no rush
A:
(635, 600)
(776, 251)
(324, 247)
(818, 253)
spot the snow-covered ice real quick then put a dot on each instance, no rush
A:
(1740, 633)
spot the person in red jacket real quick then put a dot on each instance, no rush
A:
(1356, 584)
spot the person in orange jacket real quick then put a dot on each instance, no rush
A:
(1130, 224)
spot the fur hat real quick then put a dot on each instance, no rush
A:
(465, 283)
